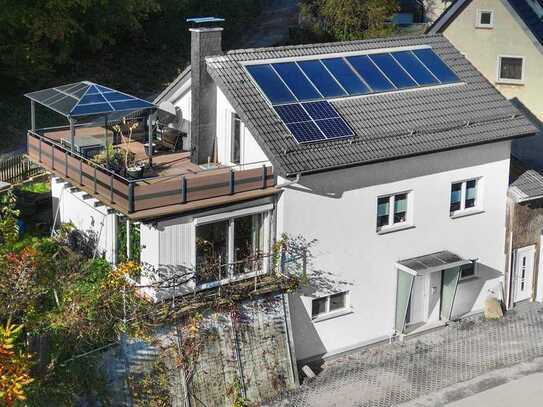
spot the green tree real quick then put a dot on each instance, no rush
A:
(347, 20)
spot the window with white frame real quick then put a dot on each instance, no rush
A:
(511, 69)
(230, 247)
(464, 196)
(235, 142)
(329, 304)
(485, 19)
(392, 210)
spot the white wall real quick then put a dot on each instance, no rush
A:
(70, 207)
(339, 210)
(250, 150)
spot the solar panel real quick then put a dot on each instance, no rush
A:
(305, 132)
(393, 71)
(416, 69)
(320, 110)
(440, 70)
(370, 73)
(292, 113)
(334, 128)
(323, 80)
(293, 76)
(345, 75)
(298, 90)
(271, 84)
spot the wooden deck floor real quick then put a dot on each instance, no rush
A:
(165, 163)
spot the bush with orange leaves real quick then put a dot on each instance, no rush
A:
(14, 366)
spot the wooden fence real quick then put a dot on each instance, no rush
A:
(18, 168)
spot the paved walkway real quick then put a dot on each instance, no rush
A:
(388, 375)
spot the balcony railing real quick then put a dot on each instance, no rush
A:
(137, 195)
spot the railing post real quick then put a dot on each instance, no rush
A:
(232, 181)
(183, 189)
(39, 151)
(53, 157)
(80, 172)
(95, 190)
(66, 164)
(111, 188)
(131, 197)
(264, 174)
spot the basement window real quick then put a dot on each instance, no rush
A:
(330, 305)
(485, 19)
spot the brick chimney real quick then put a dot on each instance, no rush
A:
(205, 41)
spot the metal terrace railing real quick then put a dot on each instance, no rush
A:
(148, 193)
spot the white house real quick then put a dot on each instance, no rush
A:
(392, 154)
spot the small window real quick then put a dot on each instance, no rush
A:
(464, 196)
(468, 270)
(235, 151)
(485, 19)
(511, 69)
(329, 304)
(392, 210)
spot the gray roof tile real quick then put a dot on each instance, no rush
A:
(386, 126)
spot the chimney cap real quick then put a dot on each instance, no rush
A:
(202, 20)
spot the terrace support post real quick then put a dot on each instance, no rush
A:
(128, 246)
(80, 172)
(53, 157)
(130, 197)
(72, 134)
(33, 115)
(150, 120)
(232, 182)
(95, 189)
(39, 149)
(105, 138)
(264, 174)
(66, 164)
(183, 189)
(111, 188)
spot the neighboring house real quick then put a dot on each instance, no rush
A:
(503, 39)
(392, 154)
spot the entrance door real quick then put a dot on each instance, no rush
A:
(524, 270)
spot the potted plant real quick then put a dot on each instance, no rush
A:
(133, 169)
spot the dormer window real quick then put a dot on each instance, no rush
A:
(485, 19)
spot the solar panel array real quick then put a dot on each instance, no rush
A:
(299, 90)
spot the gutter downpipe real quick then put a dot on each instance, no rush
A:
(289, 183)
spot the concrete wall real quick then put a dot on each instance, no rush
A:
(339, 210)
(70, 207)
(482, 46)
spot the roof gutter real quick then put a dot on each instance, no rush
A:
(289, 183)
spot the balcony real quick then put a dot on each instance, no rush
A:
(171, 185)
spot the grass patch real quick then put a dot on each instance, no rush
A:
(36, 187)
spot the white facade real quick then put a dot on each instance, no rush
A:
(339, 209)
(70, 207)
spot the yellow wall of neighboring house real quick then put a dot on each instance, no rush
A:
(483, 46)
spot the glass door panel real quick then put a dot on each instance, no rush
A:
(448, 291)
(403, 294)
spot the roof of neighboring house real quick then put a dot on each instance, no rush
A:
(167, 93)
(527, 186)
(386, 126)
(523, 10)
